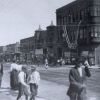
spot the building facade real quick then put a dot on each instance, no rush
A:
(40, 45)
(27, 49)
(51, 43)
(11, 52)
(79, 23)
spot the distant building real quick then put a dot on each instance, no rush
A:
(80, 23)
(11, 52)
(40, 44)
(1, 49)
(51, 43)
(1, 53)
(27, 47)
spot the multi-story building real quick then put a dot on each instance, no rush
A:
(40, 45)
(51, 43)
(11, 52)
(80, 23)
(27, 49)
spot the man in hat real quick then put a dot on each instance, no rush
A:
(34, 79)
(23, 87)
(77, 79)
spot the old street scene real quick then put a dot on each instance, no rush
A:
(50, 50)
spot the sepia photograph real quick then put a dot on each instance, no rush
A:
(49, 49)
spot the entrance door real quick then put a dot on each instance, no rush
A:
(59, 52)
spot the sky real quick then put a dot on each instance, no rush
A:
(20, 18)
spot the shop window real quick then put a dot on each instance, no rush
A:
(92, 34)
(96, 34)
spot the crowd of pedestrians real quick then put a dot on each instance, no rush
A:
(26, 80)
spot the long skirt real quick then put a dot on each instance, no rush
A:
(1, 78)
(14, 80)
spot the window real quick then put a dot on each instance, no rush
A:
(69, 17)
(95, 11)
(64, 20)
(81, 33)
(95, 31)
(73, 18)
(82, 15)
(85, 33)
(92, 31)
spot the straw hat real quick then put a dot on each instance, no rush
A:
(33, 67)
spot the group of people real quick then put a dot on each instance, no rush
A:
(1, 73)
(77, 79)
(28, 79)
(23, 79)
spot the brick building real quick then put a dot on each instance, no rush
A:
(40, 45)
(27, 49)
(11, 52)
(80, 23)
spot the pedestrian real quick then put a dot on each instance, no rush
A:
(14, 70)
(34, 79)
(46, 63)
(22, 87)
(1, 73)
(61, 61)
(86, 62)
(77, 79)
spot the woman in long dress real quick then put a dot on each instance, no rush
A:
(1, 73)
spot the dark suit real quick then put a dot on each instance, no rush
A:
(76, 89)
(1, 73)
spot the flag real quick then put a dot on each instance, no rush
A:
(66, 35)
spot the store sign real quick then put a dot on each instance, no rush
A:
(39, 51)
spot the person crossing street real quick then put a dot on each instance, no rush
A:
(77, 79)
(34, 79)
(23, 87)
(1, 73)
